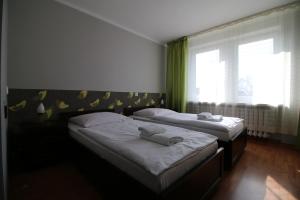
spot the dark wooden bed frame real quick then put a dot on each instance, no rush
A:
(198, 183)
(233, 149)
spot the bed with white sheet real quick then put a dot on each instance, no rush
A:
(116, 139)
(225, 130)
(230, 131)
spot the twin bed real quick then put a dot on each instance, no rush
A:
(231, 133)
(193, 166)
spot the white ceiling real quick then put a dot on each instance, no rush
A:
(165, 20)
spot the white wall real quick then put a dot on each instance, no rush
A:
(52, 46)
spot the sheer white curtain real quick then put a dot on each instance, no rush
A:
(253, 62)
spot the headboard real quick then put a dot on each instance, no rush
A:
(130, 111)
(65, 116)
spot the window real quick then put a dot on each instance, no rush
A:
(259, 77)
(261, 74)
(251, 62)
(210, 74)
(249, 70)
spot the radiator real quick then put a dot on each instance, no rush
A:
(260, 120)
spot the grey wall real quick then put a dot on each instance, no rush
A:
(3, 102)
(52, 46)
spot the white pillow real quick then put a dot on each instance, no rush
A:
(150, 112)
(98, 118)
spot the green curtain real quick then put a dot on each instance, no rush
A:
(177, 56)
(298, 136)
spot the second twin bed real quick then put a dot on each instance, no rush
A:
(230, 131)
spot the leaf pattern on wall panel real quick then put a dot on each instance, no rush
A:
(23, 103)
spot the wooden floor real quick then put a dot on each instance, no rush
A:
(267, 170)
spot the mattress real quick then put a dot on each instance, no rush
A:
(156, 183)
(222, 135)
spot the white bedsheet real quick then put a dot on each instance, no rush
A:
(224, 130)
(156, 183)
(227, 124)
(123, 138)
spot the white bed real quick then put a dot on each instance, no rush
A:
(225, 130)
(119, 143)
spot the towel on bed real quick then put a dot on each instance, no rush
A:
(204, 115)
(149, 130)
(207, 116)
(166, 139)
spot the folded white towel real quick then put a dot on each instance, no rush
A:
(205, 115)
(149, 130)
(213, 118)
(166, 139)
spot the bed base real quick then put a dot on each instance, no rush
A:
(113, 183)
(234, 149)
(200, 182)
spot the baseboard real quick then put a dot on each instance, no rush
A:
(289, 140)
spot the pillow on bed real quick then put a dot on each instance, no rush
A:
(94, 119)
(150, 112)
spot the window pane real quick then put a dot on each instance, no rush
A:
(210, 76)
(261, 74)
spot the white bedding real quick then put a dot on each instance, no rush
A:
(153, 161)
(225, 130)
(227, 124)
(123, 138)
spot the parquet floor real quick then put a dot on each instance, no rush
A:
(266, 171)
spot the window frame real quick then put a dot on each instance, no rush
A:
(228, 48)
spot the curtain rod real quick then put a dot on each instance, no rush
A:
(243, 19)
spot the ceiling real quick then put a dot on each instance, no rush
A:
(165, 20)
